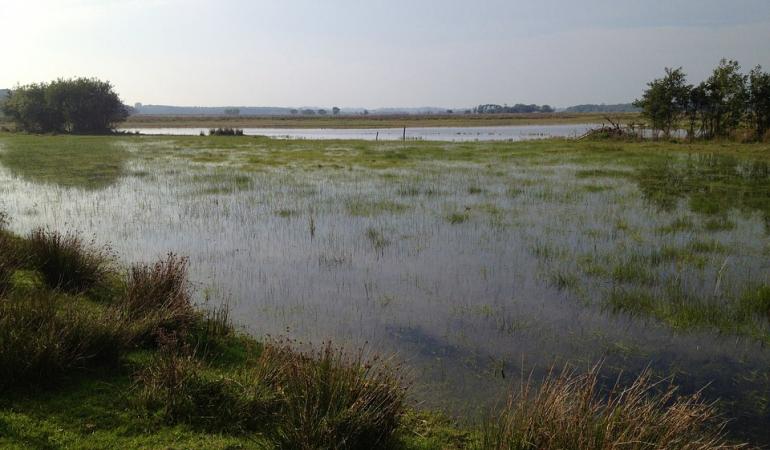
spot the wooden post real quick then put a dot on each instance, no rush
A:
(403, 138)
(377, 136)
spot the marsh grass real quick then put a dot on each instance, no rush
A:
(570, 410)
(85, 162)
(66, 262)
(157, 298)
(457, 217)
(45, 336)
(333, 400)
(361, 207)
(377, 239)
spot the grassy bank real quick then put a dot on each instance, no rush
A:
(389, 121)
(95, 356)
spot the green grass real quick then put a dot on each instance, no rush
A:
(86, 162)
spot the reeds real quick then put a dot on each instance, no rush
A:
(571, 411)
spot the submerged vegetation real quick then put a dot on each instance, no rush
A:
(125, 359)
(462, 258)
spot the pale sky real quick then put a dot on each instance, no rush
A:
(377, 53)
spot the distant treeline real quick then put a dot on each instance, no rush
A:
(591, 108)
(716, 107)
(518, 108)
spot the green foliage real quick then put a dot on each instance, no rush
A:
(665, 100)
(79, 105)
(759, 101)
(725, 99)
(225, 132)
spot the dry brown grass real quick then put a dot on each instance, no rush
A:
(570, 411)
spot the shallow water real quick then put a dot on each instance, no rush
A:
(470, 272)
(458, 134)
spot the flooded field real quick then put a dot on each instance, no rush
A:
(451, 134)
(471, 262)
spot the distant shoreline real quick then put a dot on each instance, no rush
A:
(371, 121)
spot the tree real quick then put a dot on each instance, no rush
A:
(232, 111)
(322, 112)
(80, 105)
(335, 111)
(726, 95)
(695, 110)
(759, 101)
(665, 100)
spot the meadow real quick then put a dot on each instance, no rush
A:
(476, 265)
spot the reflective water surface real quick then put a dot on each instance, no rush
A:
(495, 133)
(470, 271)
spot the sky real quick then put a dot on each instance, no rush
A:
(377, 53)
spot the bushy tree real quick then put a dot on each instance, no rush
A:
(725, 99)
(759, 101)
(79, 105)
(665, 101)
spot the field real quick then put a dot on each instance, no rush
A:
(372, 121)
(474, 264)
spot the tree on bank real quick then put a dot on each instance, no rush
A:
(725, 98)
(759, 101)
(79, 105)
(665, 100)
(717, 107)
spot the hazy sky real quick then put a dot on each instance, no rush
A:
(374, 53)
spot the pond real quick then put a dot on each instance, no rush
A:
(473, 263)
(459, 134)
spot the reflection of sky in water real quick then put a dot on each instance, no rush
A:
(495, 133)
(461, 303)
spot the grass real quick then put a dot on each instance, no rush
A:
(570, 411)
(85, 162)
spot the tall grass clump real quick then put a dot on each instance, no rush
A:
(44, 336)
(157, 298)
(10, 257)
(66, 262)
(571, 411)
(336, 401)
(178, 388)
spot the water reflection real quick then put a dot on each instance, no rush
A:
(458, 134)
(467, 271)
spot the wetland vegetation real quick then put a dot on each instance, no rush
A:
(473, 263)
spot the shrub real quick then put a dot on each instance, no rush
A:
(225, 132)
(570, 411)
(66, 262)
(333, 401)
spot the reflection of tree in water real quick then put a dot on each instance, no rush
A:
(712, 184)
